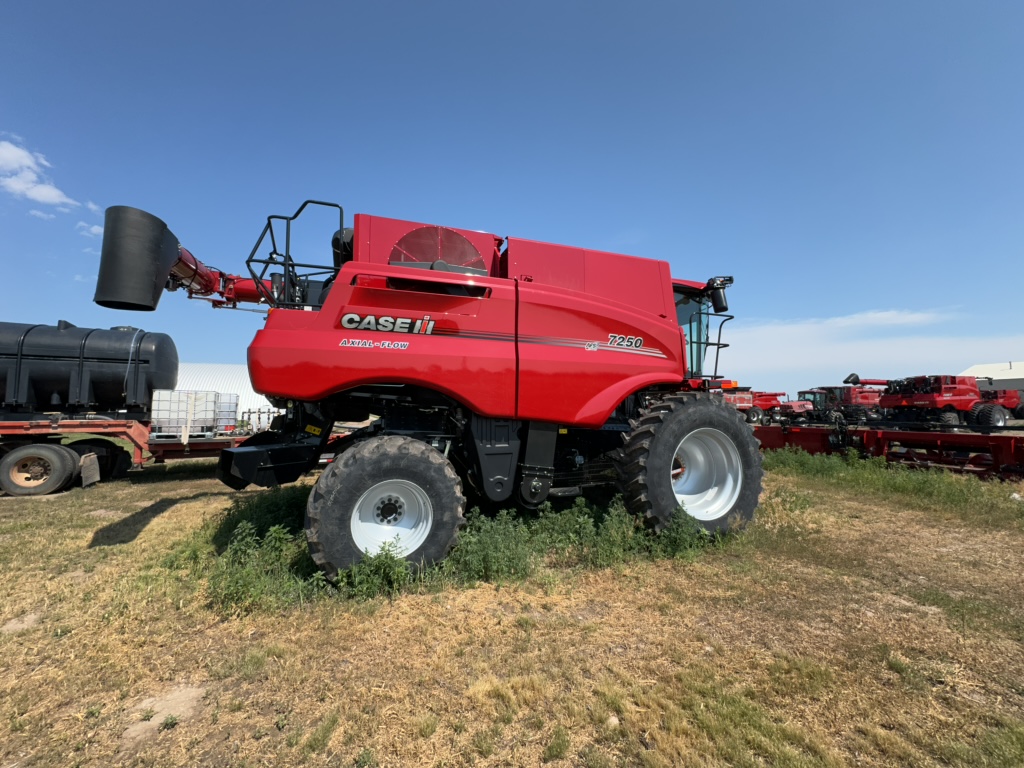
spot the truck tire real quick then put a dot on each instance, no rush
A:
(695, 452)
(74, 461)
(35, 470)
(385, 490)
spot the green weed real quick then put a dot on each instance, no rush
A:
(558, 747)
(383, 574)
(493, 549)
(321, 735)
(255, 557)
(981, 502)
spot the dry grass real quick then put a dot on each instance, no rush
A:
(839, 631)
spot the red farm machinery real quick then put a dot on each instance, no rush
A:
(757, 407)
(856, 400)
(507, 369)
(952, 400)
(933, 422)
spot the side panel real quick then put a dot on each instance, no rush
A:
(644, 284)
(581, 355)
(423, 333)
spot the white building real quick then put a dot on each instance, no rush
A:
(229, 379)
(1003, 375)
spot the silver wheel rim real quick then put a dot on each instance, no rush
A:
(395, 512)
(707, 474)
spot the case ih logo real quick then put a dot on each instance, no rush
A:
(356, 322)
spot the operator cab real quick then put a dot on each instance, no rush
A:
(697, 307)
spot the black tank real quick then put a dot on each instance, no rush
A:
(47, 368)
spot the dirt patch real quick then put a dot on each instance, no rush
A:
(161, 713)
(27, 621)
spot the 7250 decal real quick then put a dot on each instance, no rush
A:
(635, 342)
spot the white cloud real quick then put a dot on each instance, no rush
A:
(881, 319)
(798, 354)
(93, 207)
(14, 158)
(93, 251)
(21, 174)
(89, 230)
(85, 279)
(41, 215)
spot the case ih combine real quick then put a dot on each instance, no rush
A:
(514, 369)
(949, 400)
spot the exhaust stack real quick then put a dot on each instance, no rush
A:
(138, 254)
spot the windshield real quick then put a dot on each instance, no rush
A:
(812, 397)
(692, 312)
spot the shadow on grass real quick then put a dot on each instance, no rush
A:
(264, 509)
(185, 469)
(128, 529)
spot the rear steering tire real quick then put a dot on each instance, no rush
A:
(754, 415)
(992, 415)
(386, 491)
(694, 452)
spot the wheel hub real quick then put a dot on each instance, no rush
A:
(395, 512)
(389, 510)
(706, 474)
(31, 472)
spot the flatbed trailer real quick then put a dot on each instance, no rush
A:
(985, 453)
(39, 440)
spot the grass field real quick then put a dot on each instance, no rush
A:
(868, 618)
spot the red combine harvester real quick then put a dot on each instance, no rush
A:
(518, 369)
(949, 400)
(758, 407)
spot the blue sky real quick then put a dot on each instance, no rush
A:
(858, 167)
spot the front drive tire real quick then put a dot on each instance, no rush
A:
(694, 451)
(386, 490)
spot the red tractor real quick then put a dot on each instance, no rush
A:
(855, 401)
(514, 369)
(951, 400)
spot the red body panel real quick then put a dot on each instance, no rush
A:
(570, 368)
(565, 337)
(469, 356)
